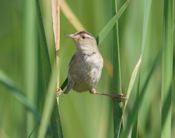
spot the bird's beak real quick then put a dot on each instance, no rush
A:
(71, 36)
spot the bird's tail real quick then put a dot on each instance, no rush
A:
(63, 86)
(66, 86)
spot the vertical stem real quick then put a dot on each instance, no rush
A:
(51, 111)
(30, 50)
(56, 28)
(116, 77)
(56, 5)
(56, 22)
(167, 68)
(116, 60)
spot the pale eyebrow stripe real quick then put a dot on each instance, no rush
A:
(87, 35)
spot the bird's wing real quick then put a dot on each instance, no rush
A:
(68, 84)
(72, 61)
(66, 81)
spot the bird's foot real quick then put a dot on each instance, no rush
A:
(59, 91)
(120, 97)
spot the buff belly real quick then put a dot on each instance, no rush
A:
(86, 73)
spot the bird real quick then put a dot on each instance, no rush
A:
(85, 67)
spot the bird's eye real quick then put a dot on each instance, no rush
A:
(83, 37)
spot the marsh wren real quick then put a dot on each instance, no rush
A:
(86, 66)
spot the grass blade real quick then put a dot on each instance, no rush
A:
(18, 94)
(31, 57)
(167, 67)
(56, 6)
(108, 27)
(48, 106)
(139, 99)
(132, 81)
(71, 17)
(50, 109)
(116, 82)
(136, 70)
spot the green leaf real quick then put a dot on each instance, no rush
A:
(167, 67)
(139, 99)
(116, 80)
(18, 94)
(50, 115)
(108, 27)
(48, 108)
(30, 58)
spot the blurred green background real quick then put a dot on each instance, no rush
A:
(83, 115)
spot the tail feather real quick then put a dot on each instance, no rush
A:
(66, 86)
(63, 86)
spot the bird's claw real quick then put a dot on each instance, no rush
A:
(58, 92)
(120, 97)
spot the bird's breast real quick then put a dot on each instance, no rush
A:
(87, 71)
(92, 62)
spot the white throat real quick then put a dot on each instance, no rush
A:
(88, 49)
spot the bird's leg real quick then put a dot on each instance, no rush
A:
(65, 90)
(119, 97)
(59, 91)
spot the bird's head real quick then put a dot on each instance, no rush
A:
(84, 40)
